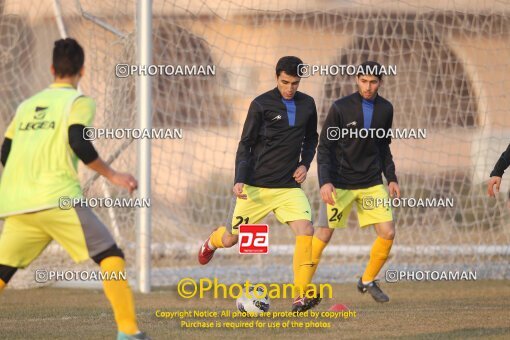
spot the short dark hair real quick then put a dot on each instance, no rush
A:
(370, 68)
(289, 65)
(68, 57)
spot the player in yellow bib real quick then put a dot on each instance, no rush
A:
(350, 171)
(40, 155)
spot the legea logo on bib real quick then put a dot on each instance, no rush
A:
(40, 112)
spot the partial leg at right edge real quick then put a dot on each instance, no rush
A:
(6, 273)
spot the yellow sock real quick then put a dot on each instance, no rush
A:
(2, 285)
(303, 265)
(216, 237)
(120, 296)
(378, 255)
(318, 246)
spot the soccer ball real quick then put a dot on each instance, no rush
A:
(253, 302)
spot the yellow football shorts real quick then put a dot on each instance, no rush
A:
(288, 204)
(369, 206)
(77, 230)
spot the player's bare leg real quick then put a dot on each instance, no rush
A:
(323, 233)
(378, 256)
(303, 265)
(219, 238)
(229, 240)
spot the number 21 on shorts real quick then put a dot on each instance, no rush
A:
(253, 239)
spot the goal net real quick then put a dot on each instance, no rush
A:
(452, 60)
